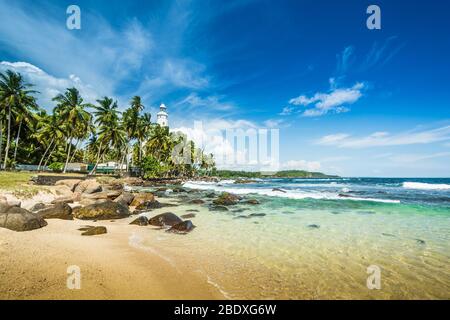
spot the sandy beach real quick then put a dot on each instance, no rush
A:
(33, 265)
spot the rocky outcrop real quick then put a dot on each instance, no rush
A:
(88, 186)
(165, 219)
(278, 190)
(70, 183)
(142, 197)
(125, 198)
(140, 221)
(92, 231)
(149, 205)
(227, 199)
(38, 206)
(104, 210)
(182, 227)
(58, 211)
(18, 219)
(218, 208)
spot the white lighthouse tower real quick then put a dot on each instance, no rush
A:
(162, 116)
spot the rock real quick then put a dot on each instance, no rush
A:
(252, 201)
(88, 202)
(94, 196)
(218, 208)
(58, 211)
(130, 181)
(314, 226)
(140, 198)
(70, 183)
(227, 199)
(149, 205)
(88, 186)
(19, 219)
(64, 191)
(4, 207)
(182, 227)
(140, 221)
(244, 181)
(104, 210)
(197, 201)
(37, 207)
(188, 216)
(92, 231)
(125, 198)
(211, 195)
(62, 200)
(3, 199)
(165, 219)
(279, 190)
(113, 194)
(257, 215)
(192, 210)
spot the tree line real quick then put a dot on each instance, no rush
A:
(77, 131)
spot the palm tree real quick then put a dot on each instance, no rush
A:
(143, 129)
(111, 133)
(49, 134)
(14, 94)
(71, 109)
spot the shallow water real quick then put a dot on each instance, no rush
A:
(291, 248)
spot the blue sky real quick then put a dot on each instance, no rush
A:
(347, 100)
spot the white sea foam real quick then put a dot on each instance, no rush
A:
(425, 186)
(291, 194)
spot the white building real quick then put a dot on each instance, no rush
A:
(162, 116)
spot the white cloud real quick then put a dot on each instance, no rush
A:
(301, 165)
(211, 102)
(323, 103)
(378, 139)
(48, 85)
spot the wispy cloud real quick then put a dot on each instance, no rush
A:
(336, 100)
(379, 139)
(47, 85)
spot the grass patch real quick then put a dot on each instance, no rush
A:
(15, 180)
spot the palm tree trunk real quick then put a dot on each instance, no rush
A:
(7, 138)
(1, 141)
(50, 154)
(98, 159)
(17, 140)
(68, 155)
(45, 153)
(75, 151)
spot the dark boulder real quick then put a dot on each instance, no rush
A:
(92, 231)
(140, 221)
(165, 219)
(58, 211)
(37, 207)
(19, 219)
(278, 190)
(182, 227)
(105, 210)
(227, 199)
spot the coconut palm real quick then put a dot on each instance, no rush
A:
(72, 111)
(15, 95)
(49, 134)
(111, 133)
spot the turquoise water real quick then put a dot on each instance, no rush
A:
(317, 239)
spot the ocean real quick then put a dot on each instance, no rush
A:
(316, 238)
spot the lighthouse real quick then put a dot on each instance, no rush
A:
(162, 116)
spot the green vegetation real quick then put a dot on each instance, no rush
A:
(76, 131)
(280, 174)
